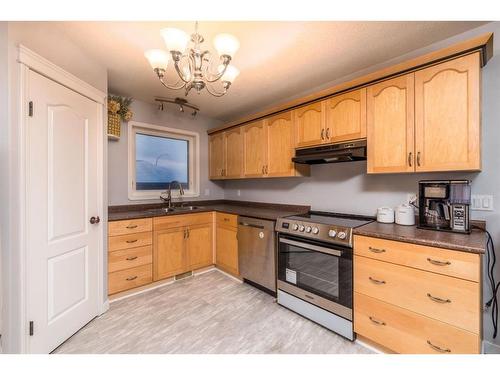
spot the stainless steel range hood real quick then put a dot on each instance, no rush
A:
(337, 153)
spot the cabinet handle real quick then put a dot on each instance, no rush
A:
(377, 322)
(375, 281)
(438, 262)
(131, 241)
(410, 158)
(131, 258)
(263, 170)
(437, 348)
(327, 133)
(187, 233)
(131, 226)
(131, 278)
(375, 250)
(226, 219)
(323, 134)
(418, 158)
(267, 169)
(437, 299)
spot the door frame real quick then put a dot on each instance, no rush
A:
(29, 60)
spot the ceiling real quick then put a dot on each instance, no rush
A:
(277, 60)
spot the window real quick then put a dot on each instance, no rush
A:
(158, 156)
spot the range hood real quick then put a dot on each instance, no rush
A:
(337, 153)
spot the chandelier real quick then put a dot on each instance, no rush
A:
(195, 67)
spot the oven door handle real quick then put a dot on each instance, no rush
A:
(321, 249)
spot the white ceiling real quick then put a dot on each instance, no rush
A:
(277, 60)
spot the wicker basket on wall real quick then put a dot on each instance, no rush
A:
(118, 110)
(114, 125)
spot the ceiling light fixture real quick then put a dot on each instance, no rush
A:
(193, 67)
(182, 103)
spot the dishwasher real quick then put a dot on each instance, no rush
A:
(257, 254)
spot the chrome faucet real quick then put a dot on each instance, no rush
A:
(168, 199)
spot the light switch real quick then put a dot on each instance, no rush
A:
(482, 202)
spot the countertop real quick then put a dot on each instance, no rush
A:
(475, 242)
(252, 209)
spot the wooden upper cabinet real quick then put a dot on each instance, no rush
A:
(310, 124)
(346, 116)
(447, 115)
(280, 145)
(254, 149)
(390, 125)
(216, 156)
(233, 153)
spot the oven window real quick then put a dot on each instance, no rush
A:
(322, 274)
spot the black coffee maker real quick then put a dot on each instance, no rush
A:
(444, 205)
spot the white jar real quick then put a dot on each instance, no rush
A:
(385, 215)
(405, 214)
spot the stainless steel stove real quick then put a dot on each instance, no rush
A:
(315, 267)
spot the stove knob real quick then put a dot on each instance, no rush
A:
(332, 233)
(342, 235)
(315, 230)
(308, 229)
(295, 227)
(301, 228)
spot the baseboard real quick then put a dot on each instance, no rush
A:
(490, 348)
(229, 275)
(378, 349)
(104, 307)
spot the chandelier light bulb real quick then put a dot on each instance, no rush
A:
(230, 74)
(157, 58)
(175, 39)
(226, 44)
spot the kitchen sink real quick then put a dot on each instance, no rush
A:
(181, 208)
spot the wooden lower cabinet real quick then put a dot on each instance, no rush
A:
(170, 255)
(404, 331)
(227, 245)
(200, 250)
(129, 278)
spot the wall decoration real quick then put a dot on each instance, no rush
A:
(118, 111)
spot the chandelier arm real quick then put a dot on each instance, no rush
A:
(172, 87)
(214, 92)
(210, 77)
(179, 71)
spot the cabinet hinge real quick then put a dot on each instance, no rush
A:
(30, 109)
(32, 328)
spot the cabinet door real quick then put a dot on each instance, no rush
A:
(390, 125)
(170, 255)
(254, 149)
(233, 150)
(280, 145)
(447, 116)
(310, 124)
(346, 116)
(199, 244)
(227, 249)
(216, 156)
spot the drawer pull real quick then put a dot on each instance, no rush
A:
(377, 322)
(375, 250)
(131, 226)
(226, 219)
(131, 241)
(437, 348)
(438, 262)
(131, 278)
(132, 258)
(437, 299)
(375, 281)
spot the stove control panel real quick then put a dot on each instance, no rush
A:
(317, 231)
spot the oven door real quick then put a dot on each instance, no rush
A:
(316, 272)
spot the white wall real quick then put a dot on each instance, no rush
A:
(48, 40)
(347, 188)
(149, 113)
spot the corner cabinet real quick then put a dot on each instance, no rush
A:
(426, 121)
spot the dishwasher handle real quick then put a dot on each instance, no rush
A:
(251, 225)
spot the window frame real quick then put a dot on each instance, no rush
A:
(193, 139)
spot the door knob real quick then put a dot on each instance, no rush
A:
(95, 220)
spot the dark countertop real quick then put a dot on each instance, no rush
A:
(472, 243)
(252, 209)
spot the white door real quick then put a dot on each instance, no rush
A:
(62, 195)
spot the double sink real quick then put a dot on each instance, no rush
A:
(168, 210)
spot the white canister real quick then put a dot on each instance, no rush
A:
(385, 215)
(405, 214)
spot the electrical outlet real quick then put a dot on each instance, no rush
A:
(238, 193)
(482, 202)
(411, 198)
(207, 192)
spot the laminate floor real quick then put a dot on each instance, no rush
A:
(208, 313)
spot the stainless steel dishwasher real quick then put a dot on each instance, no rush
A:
(257, 253)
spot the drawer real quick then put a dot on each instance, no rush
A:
(227, 219)
(124, 259)
(117, 228)
(128, 279)
(407, 332)
(128, 241)
(446, 262)
(450, 300)
(185, 220)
